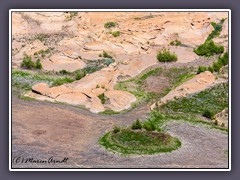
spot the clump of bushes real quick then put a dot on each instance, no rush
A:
(175, 43)
(29, 64)
(136, 125)
(116, 33)
(222, 61)
(209, 48)
(208, 114)
(64, 72)
(110, 24)
(166, 56)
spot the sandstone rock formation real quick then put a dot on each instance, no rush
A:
(74, 40)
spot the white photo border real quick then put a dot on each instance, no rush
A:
(118, 10)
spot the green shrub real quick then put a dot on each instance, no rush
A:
(38, 64)
(149, 126)
(116, 129)
(208, 114)
(103, 98)
(137, 125)
(79, 75)
(209, 48)
(166, 56)
(210, 69)
(223, 59)
(106, 55)
(215, 122)
(27, 62)
(64, 72)
(216, 66)
(201, 69)
(116, 33)
(110, 24)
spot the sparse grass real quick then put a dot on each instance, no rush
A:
(165, 55)
(145, 17)
(110, 24)
(70, 15)
(40, 37)
(61, 81)
(42, 53)
(135, 142)
(209, 48)
(214, 99)
(109, 112)
(136, 85)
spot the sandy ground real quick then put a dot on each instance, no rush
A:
(41, 130)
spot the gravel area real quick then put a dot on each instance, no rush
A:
(41, 130)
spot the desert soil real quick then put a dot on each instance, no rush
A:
(45, 130)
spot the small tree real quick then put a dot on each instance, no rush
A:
(38, 64)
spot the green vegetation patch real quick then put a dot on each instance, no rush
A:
(217, 29)
(110, 24)
(134, 142)
(175, 43)
(70, 15)
(222, 61)
(136, 85)
(165, 55)
(209, 48)
(27, 63)
(103, 98)
(116, 33)
(214, 100)
(42, 53)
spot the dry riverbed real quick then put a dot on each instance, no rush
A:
(41, 130)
